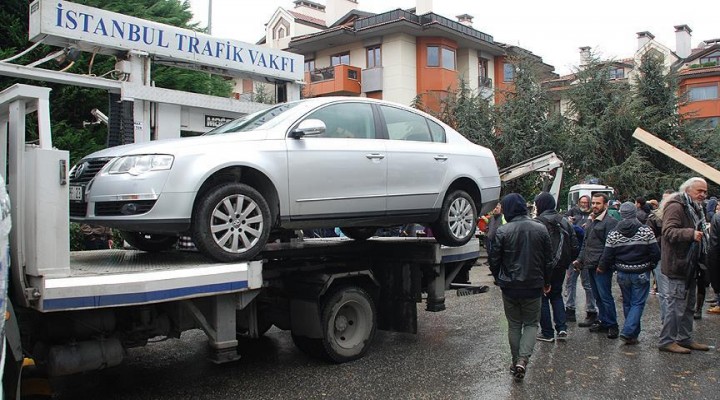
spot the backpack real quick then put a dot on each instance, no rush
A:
(560, 241)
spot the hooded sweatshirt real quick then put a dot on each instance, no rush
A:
(631, 247)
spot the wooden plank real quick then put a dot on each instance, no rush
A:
(678, 155)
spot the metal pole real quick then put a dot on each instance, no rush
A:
(209, 17)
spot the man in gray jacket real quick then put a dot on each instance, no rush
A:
(521, 263)
(684, 243)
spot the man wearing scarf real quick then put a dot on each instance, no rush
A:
(684, 241)
(521, 263)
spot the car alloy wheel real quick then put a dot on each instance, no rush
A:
(458, 216)
(232, 223)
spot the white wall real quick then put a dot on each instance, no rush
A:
(399, 54)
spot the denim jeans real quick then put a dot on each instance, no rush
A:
(635, 289)
(522, 316)
(571, 278)
(602, 290)
(678, 325)
(554, 299)
(662, 282)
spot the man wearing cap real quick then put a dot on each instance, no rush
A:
(632, 250)
(613, 209)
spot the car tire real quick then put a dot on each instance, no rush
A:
(359, 233)
(150, 242)
(458, 218)
(231, 238)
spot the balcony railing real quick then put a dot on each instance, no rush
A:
(336, 80)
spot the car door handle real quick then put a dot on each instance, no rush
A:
(440, 157)
(375, 156)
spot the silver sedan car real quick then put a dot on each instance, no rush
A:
(354, 163)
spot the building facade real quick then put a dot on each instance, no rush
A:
(399, 55)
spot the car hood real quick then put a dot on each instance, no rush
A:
(178, 146)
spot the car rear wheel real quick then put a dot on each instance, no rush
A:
(458, 218)
(231, 223)
(359, 233)
(150, 242)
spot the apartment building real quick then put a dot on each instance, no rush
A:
(698, 71)
(397, 55)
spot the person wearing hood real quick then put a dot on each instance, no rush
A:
(564, 248)
(521, 263)
(632, 250)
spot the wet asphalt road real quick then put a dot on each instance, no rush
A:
(461, 353)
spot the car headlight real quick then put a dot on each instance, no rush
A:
(136, 165)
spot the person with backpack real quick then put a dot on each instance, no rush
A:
(564, 245)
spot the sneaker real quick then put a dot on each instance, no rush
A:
(674, 348)
(612, 332)
(520, 369)
(714, 310)
(544, 338)
(562, 336)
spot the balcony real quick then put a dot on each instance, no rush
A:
(339, 80)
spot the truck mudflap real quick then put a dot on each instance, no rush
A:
(111, 278)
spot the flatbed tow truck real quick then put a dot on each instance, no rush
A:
(80, 311)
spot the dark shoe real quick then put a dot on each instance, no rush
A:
(570, 315)
(613, 332)
(520, 368)
(599, 328)
(629, 340)
(674, 348)
(562, 336)
(697, 314)
(589, 320)
(544, 338)
(695, 346)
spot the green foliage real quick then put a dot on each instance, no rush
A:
(262, 94)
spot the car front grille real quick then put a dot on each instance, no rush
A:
(83, 172)
(115, 208)
(77, 209)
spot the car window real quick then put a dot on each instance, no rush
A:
(346, 120)
(437, 132)
(265, 119)
(406, 125)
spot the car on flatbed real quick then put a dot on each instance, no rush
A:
(348, 162)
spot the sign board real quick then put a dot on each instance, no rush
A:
(63, 23)
(213, 121)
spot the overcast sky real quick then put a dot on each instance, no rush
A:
(552, 29)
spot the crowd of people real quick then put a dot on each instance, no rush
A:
(537, 261)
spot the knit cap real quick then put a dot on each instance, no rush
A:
(628, 210)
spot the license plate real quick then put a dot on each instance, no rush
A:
(76, 193)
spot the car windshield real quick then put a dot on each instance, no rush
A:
(265, 119)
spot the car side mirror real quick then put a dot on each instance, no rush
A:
(309, 127)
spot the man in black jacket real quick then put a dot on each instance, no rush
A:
(521, 263)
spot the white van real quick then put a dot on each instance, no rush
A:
(587, 189)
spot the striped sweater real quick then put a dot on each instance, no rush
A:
(633, 249)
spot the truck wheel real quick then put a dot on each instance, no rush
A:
(359, 233)
(150, 242)
(458, 219)
(231, 222)
(311, 347)
(348, 321)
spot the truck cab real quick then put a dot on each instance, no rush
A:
(587, 189)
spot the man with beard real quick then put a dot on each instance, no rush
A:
(601, 281)
(684, 242)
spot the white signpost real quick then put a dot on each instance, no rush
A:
(63, 23)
